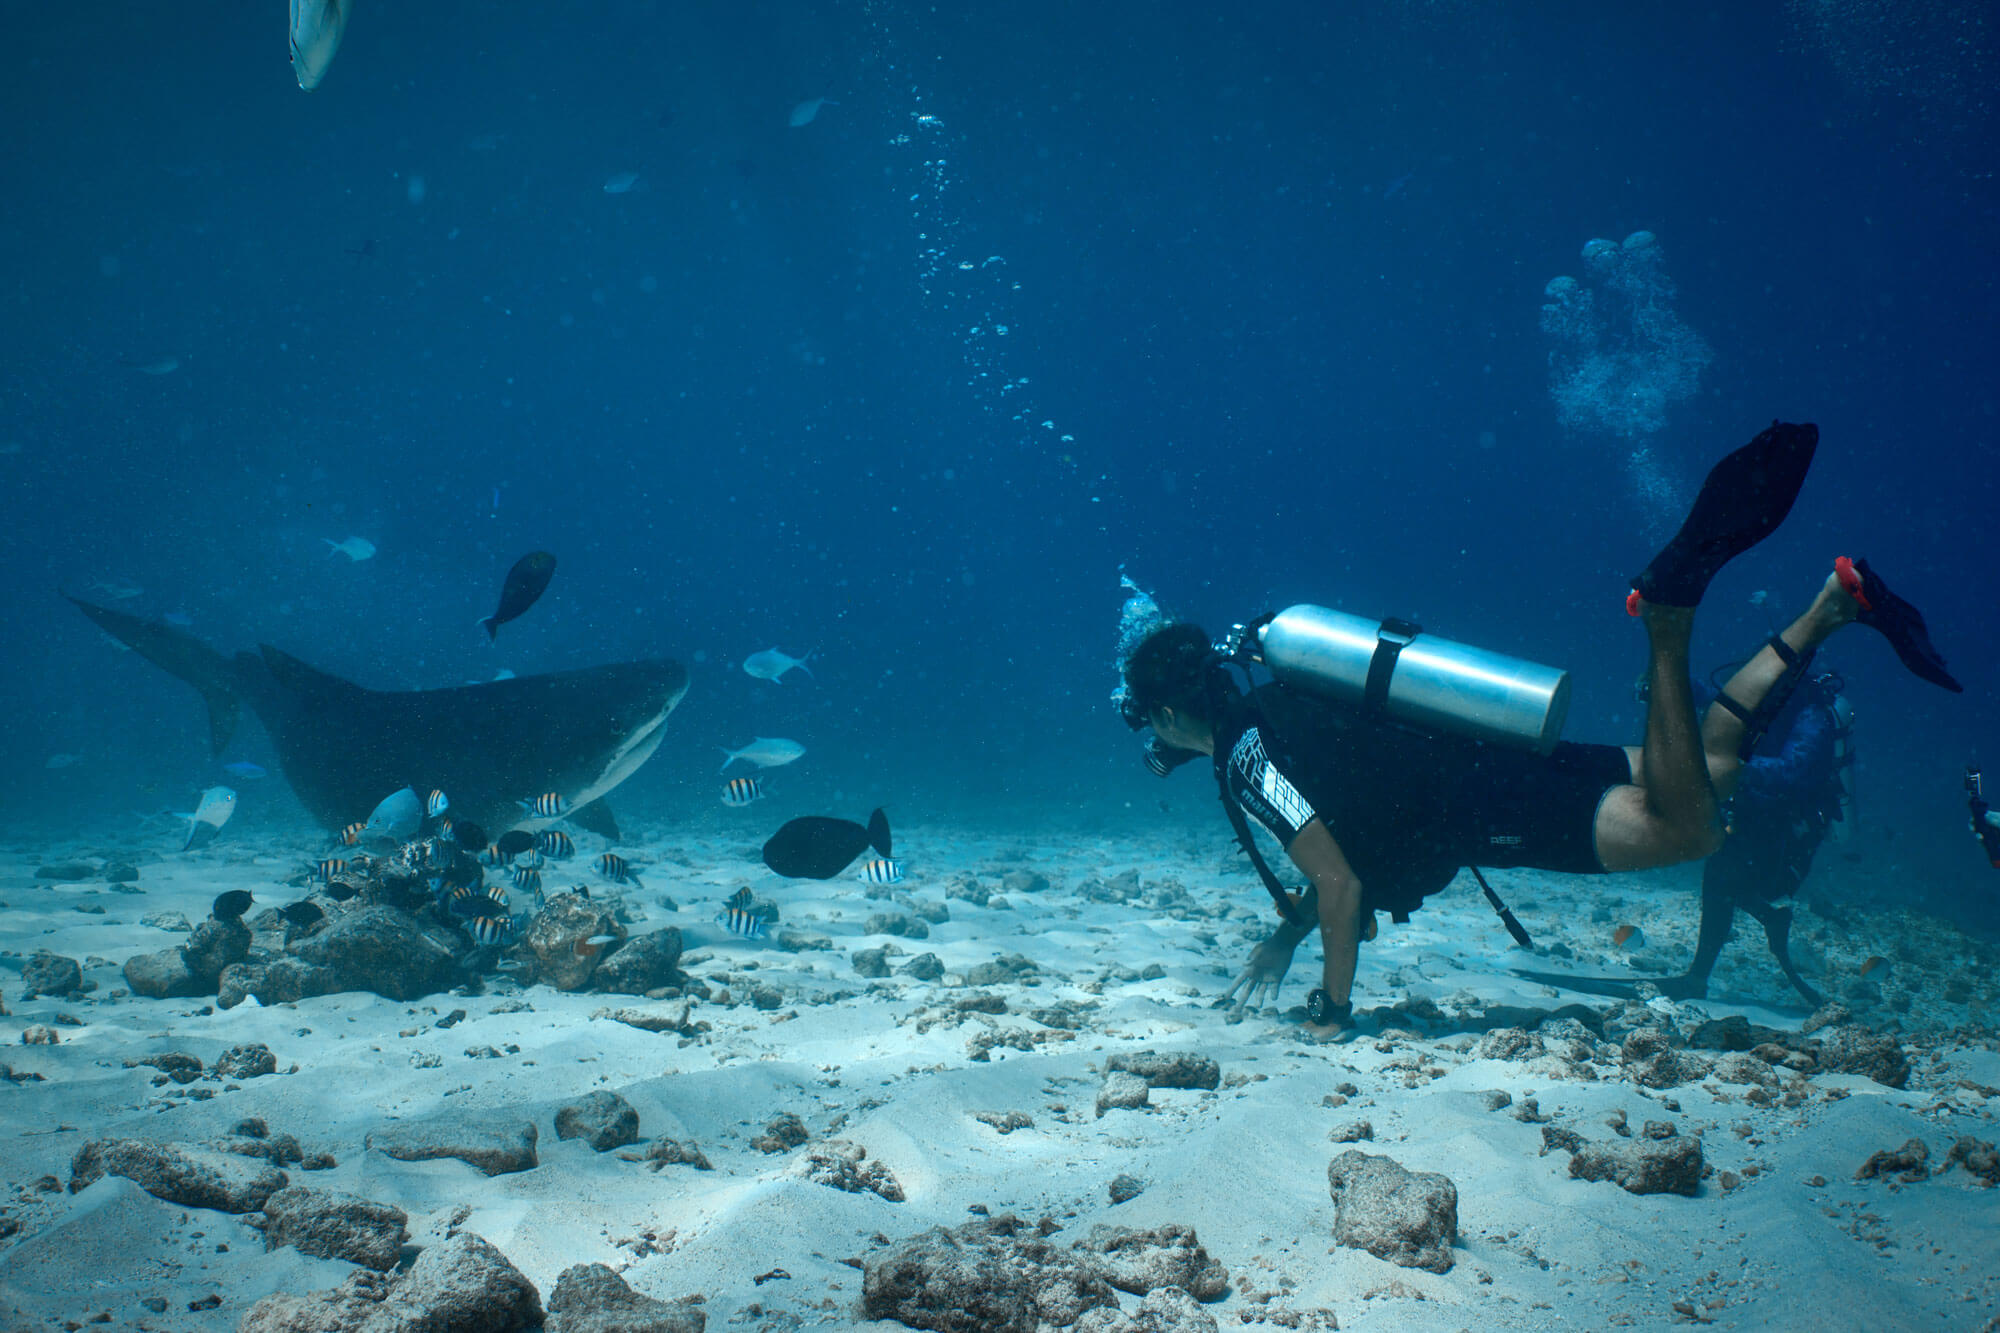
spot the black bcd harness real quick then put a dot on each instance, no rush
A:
(1238, 657)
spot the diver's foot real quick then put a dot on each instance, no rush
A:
(1895, 619)
(1744, 499)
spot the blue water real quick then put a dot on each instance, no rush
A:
(1272, 275)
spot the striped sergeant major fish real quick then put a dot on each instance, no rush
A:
(489, 929)
(436, 804)
(555, 844)
(351, 835)
(528, 879)
(616, 869)
(327, 869)
(549, 805)
(881, 870)
(737, 921)
(739, 792)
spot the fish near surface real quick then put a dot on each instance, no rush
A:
(765, 752)
(820, 846)
(316, 29)
(526, 582)
(341, 745)
(356, 549)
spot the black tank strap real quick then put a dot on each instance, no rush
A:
(1390, 640)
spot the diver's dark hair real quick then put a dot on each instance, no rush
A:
(1171, 668)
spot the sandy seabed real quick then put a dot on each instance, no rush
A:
(1131, 942)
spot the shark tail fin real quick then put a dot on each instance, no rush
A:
(212, 675)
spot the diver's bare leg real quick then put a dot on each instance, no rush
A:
(1722, 730)
(1679, 799)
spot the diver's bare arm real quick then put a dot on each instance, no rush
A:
(1316, 854)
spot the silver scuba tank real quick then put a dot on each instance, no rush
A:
(1417, 679)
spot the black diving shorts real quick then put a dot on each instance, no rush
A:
(1529, 810)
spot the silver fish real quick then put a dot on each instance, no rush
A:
(217, 805)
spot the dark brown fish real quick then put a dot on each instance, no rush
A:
(526, 582)
(820, 847)
(232, 905)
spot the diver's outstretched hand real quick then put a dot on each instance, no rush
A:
(1260, 980)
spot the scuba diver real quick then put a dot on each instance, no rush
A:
(1384, 762)
(1785, 805)
(1985, 820)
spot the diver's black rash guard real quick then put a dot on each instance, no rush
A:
(1407, 808)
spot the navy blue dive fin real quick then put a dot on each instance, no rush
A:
(1897, 621)
(878, 833)
(181, 655)
(1744, 499)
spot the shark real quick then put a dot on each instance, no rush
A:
(342, 747)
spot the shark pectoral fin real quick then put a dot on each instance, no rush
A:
(597, 818)
(183, 656)
(316, 29)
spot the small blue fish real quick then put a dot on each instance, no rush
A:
(436, 804)
(243, 768)
(739, 922)
(882, 870)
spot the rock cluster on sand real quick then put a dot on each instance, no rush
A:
(179, 1173)
(497, 1147)
(602, 1119)
(1908, 1163)
(1407, 1217)
(1660, 1161)
(590, 1298)
(1002, 1275)
(643, 963)
(844, 1166)
(559, 938)
(50, 974)
(328, 1224)
(1183, 1069)
(462, 1285)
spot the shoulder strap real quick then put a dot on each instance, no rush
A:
(1237, 821)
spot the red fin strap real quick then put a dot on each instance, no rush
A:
(1633, 601)
(1843, 569)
